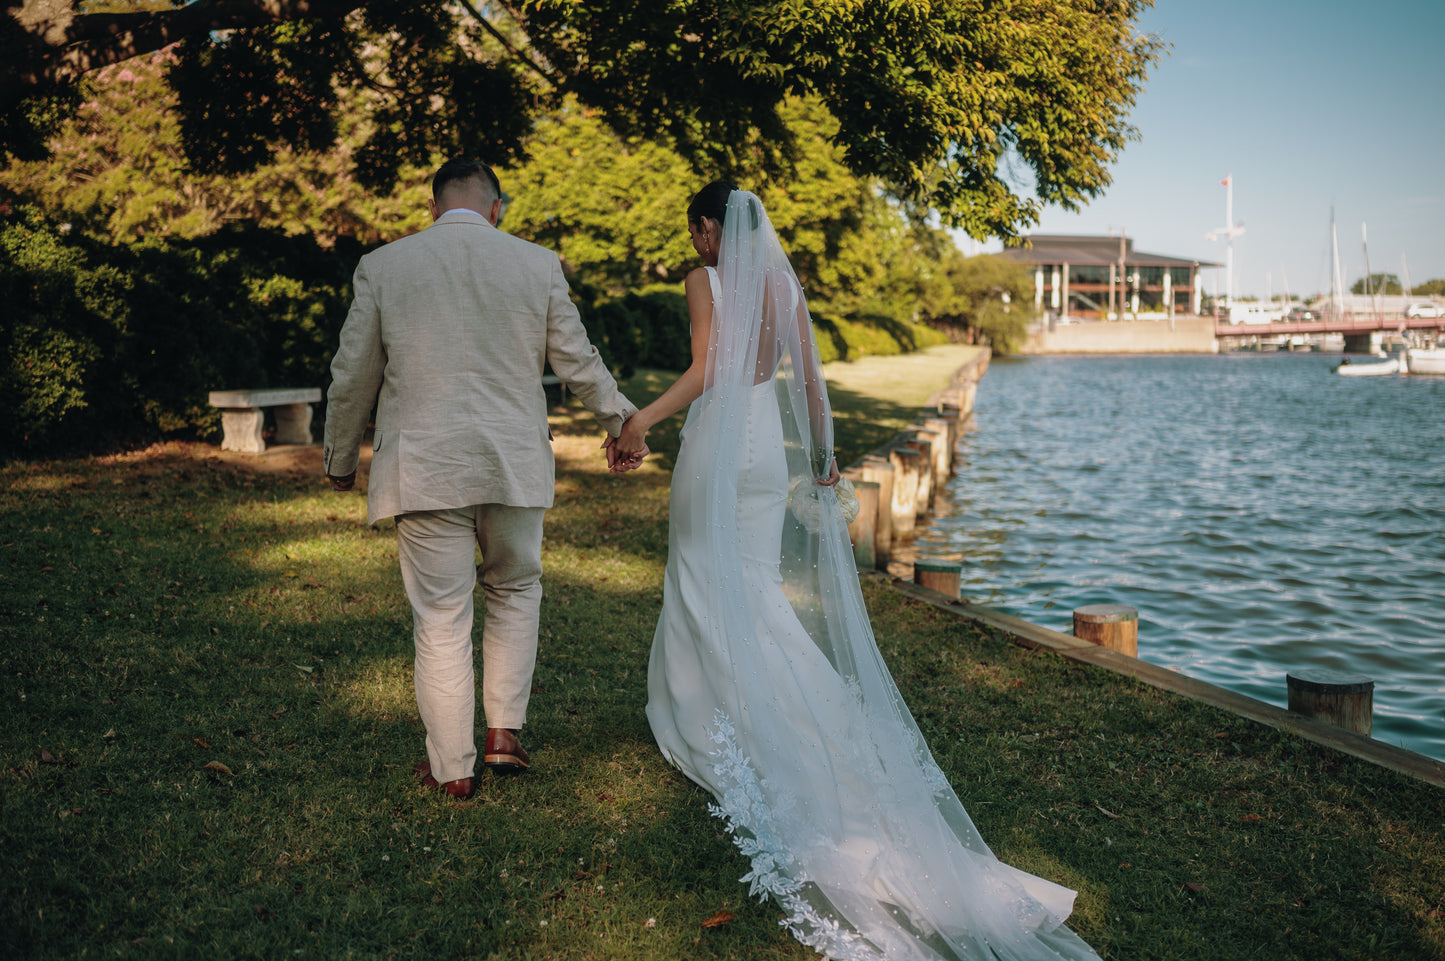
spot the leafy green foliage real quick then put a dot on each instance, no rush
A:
(110, 344)
(984, 297)
(941, 101)
(117, 168)
(935, 99)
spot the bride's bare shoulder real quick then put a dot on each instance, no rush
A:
(697, 277)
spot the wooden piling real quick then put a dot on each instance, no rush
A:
(923, 445)
(938, 574)
(863, 529)
(948, 440)
(1111, 626)
(1344, 700)
(879, 471)
(905, 489)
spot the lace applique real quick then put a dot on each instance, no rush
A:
(775, 873)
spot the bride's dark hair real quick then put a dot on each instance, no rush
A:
(710, 202)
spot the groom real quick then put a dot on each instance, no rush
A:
(447, 336)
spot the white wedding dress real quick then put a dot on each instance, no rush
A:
(765, 685)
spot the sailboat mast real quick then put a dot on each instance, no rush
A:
(1229, 239)
(1337, 286)
(1369, 279)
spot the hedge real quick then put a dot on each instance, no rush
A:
(111, 345)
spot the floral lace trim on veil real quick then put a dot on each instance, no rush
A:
(776, 873)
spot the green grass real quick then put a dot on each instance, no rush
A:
(208, 728)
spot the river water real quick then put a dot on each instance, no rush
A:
(1262, 513)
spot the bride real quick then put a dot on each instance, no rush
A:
(765, 685)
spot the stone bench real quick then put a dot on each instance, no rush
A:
(242, 416)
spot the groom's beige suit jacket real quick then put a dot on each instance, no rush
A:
(447, 335)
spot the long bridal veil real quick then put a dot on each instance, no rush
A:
(767, 686)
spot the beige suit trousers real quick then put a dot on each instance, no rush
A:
(438, 566)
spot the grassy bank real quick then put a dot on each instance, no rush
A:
(208, 729)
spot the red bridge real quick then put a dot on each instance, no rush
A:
(1354, 324)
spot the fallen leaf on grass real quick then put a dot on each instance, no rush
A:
(719, 919)
(303, 668)
(1107, 814)
(200, 742)
(1193, 887)
(1249, 817)
(218, 767)
(47, 758)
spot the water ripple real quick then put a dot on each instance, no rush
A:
(1262, 515)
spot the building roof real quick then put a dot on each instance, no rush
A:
(1090, 250)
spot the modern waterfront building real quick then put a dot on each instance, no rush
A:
(1105, 278)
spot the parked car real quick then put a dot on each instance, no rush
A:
(1425, 310)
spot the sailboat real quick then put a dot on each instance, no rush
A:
(1422, 360)
(1337, 294)
(1425, 360)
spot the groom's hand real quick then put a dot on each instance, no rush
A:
(609, 444)
(618, 462)
(632, 461)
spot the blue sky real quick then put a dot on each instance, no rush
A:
(1305, 104)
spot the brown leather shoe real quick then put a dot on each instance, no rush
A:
(462, 788)
(504, 751)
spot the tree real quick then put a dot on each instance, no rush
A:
(117, 168)
(940, 100)
(1378, 284)
(986, 298)
(1430, 288)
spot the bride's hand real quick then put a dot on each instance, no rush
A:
(833, 475)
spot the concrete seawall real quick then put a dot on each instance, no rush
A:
(1184, 335)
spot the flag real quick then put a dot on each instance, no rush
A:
(1226, 180)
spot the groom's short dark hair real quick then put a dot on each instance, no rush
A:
(459, 170)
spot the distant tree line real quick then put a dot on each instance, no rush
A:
(1391, 284)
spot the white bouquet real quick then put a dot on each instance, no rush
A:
(805, 500)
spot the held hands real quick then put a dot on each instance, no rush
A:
(342, 483)
(626, 451)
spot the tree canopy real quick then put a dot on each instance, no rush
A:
(983, 110)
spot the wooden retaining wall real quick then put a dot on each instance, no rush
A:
(900, 482)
